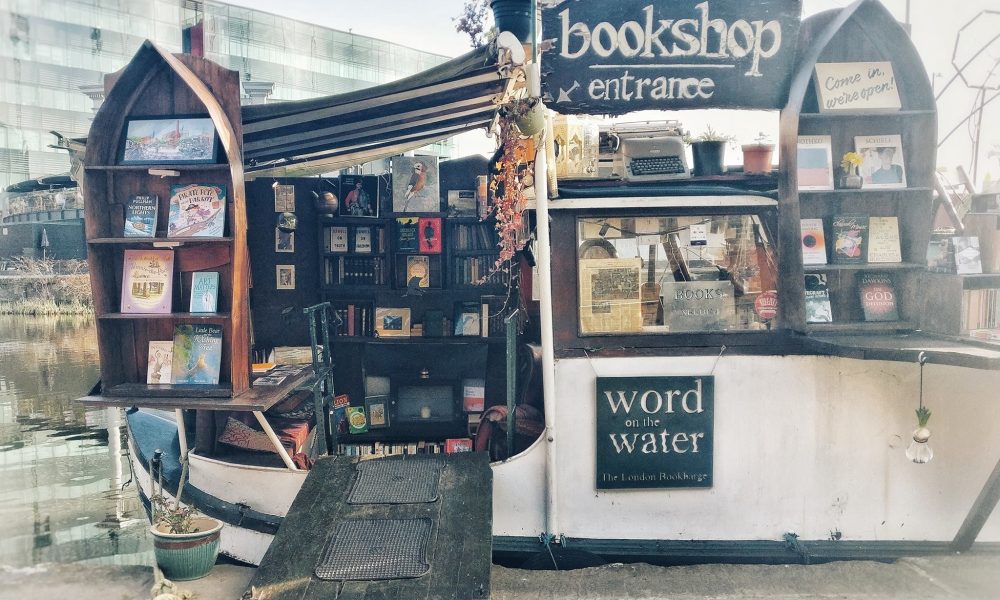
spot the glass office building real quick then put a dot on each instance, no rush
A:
(50, 48)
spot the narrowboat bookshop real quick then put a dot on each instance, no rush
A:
(589, 342)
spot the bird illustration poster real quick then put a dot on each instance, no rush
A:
(197, 210)
(197, 354)
(415, 184)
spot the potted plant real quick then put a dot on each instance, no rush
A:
(513, 16)
(708, 152)
(757, 156)
(185, 543)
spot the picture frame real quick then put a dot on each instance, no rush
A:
(284, 277)
(169, 140)
(415, 184)
(284, 241)
(882, 165)
(377, 409)
(392, 322)
(359, 196)
(284, 198)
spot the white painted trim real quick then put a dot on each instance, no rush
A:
(280, 449)
(660, 202)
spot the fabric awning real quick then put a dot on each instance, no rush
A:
(325, 134)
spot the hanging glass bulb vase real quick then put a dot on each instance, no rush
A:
(919, 451)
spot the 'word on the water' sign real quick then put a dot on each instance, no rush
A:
(616, 57)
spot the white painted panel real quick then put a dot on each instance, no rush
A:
(519, 493)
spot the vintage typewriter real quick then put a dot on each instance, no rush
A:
(644, 151)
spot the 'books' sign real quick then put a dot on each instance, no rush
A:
(655, 432)
(616, 57)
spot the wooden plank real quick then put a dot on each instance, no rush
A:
(979, 513)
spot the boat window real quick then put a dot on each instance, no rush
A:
(677, 274)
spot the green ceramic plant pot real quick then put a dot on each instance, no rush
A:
(184, 556)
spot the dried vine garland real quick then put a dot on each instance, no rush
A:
(507, 190)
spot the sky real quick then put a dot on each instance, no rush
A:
(430, 26)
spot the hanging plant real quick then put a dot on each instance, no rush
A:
(507, 184)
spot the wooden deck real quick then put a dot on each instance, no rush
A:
(459, 550)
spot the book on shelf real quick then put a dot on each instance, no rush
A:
(338, 420)
(197, 354)
(159, 362)
(429, 229)
(883, 240)
(357, 421)
(850, 236)
(815, 162)
(471, 270)
(418, 271)
(940, 256)
(197, 210)
(204, 292)
(980, 310)
(468, 316)
(434, 323)
(817, 303)
(455, 445)
(813, 242)
(377, 409)
(881, 161)
(473, 236)
(462, 203)
(359, 196)
(336, 239)
(140, 215)
(406, 234)
(354, 270)
(968, 260)
(147, 281)
(363, 240)
(878, 297)
(473, 422)
(474, 395)
(415, 184)
(261, 368)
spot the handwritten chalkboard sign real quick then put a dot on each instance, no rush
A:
(617, 57)
(655, 432)
(856, 87)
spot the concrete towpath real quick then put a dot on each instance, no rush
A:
(973, 576)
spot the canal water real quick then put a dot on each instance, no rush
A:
(66, 494)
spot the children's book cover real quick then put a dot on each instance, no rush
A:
(197, 354)
(197, 210)
(159, 362)
(204, 292)
(140, 215)
(147, 281)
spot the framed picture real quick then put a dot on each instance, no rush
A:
(284, 241)
(377, 408)
(415, 184)
(179, 140)
(392, 322)
(284, 198)
(285, 277)
(882, 161)
(358, 196)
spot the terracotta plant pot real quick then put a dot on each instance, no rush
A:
(757, 158)
(708, 157)
(184, 556)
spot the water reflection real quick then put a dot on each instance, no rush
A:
(62, 466)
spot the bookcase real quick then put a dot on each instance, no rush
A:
(864, 34)
(157, 85)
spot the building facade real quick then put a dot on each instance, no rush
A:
(50, 49)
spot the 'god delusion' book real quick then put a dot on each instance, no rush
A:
(878, 297)
(197, 210)
(197, 354)
(140, 216)
(147, 281)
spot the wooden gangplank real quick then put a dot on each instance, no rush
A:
(458, 551)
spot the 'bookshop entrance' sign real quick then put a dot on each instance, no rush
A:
(616, 57)
(655, 432)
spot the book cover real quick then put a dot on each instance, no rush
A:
(357, 422)
(815, 162)
(813, 242)
(453, 445)
(967, 257)
(462, 203)
(376, 409)
(878, 297)
(467, 318)
(147, 281)
(474, 395)
(883, 240)
(406, 234)
(882, 161)
(204, 292)
(363, 240)
(850, 236)
(429, 229)
(418, 271)
(339, 418)
(817, 299)
(338, 238)
(359, 195)
(140, 215)
(197, 210)
(940, 257)
(415, 184)
(159, 362)
(197, 354)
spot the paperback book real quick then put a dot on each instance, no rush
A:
(357, 422)
(147, 281)
(815, 162)
(204, 292)
(418, 271)
(813, 242)
(197, 210)
(817, 299)
(140, 216)
(197, 354)
(474, 395)
(940, 256)
(882, 161)
(159, 362)
(336, 239)
(462, 203)
(883, 240)
(967, 256)
(363, 240)
(406, 234)
(453, 445)
(430, 235)
(878, 297)
(467, 318)
(850, 236)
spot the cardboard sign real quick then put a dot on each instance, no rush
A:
(856, 87)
